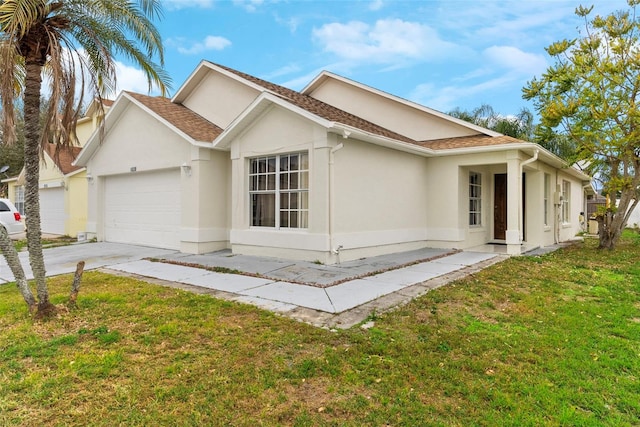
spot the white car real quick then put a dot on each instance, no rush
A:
(10, 218)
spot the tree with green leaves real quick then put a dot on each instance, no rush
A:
(590, 95)
(519, 126)
(71, 45)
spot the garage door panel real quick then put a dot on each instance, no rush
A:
(52, 215)
(144, 209)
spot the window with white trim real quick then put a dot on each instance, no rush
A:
(565, 207)
(475, 199)
(19, 198)
(547, 181)
(279, 191)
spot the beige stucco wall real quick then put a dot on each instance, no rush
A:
(447, 217)
(396, 116)
(206, 201)
(84, 129)
(363, 202)
(380, 202)
(277, 132)
(220, 99)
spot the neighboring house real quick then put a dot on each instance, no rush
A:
(63, 186)
(336, 172)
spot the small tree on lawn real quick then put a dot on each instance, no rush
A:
(590, 95)
(70, 43)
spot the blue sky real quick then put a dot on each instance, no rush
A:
(442, 54)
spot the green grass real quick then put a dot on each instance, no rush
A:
(21, 245)
(541, 341)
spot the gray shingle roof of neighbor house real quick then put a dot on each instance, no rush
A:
(189, 122)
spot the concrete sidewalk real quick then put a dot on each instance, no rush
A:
(328, 296)
(342, 305)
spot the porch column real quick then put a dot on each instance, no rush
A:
(514, 186)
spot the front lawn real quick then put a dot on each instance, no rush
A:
(533, 341)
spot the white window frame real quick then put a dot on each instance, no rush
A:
(19, 198)
(286, 182)
(566, 202)
(475, 199)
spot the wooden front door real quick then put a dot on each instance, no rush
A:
(500, 207)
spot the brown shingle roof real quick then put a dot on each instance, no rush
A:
(468, 142)
(63, 157)
(189, 122)
(332, 113)
(320, 108)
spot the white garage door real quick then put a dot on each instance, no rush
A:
(52, 214)
(143, 209)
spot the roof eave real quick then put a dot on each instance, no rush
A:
(548, 156)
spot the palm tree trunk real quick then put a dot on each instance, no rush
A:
(33, 84)
(13, 260)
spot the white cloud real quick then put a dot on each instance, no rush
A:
(249, 5)
(291, 23)
(376, 5)
(131, 79)
(282, 71)
(387, 41)
(446, 98)
(208, 43)
(516, 60)
(185, 4)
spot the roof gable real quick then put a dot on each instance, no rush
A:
(316, 107)
(401, 115)
(188, 124)
(63, 157)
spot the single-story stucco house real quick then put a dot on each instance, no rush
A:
(335, 172)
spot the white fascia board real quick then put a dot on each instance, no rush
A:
(93, 143)
(328, 75)
(254, 110)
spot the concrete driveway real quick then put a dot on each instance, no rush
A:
(63, 259)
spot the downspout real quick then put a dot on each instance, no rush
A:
(333, 249)
(557, 219)
(521, 198)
